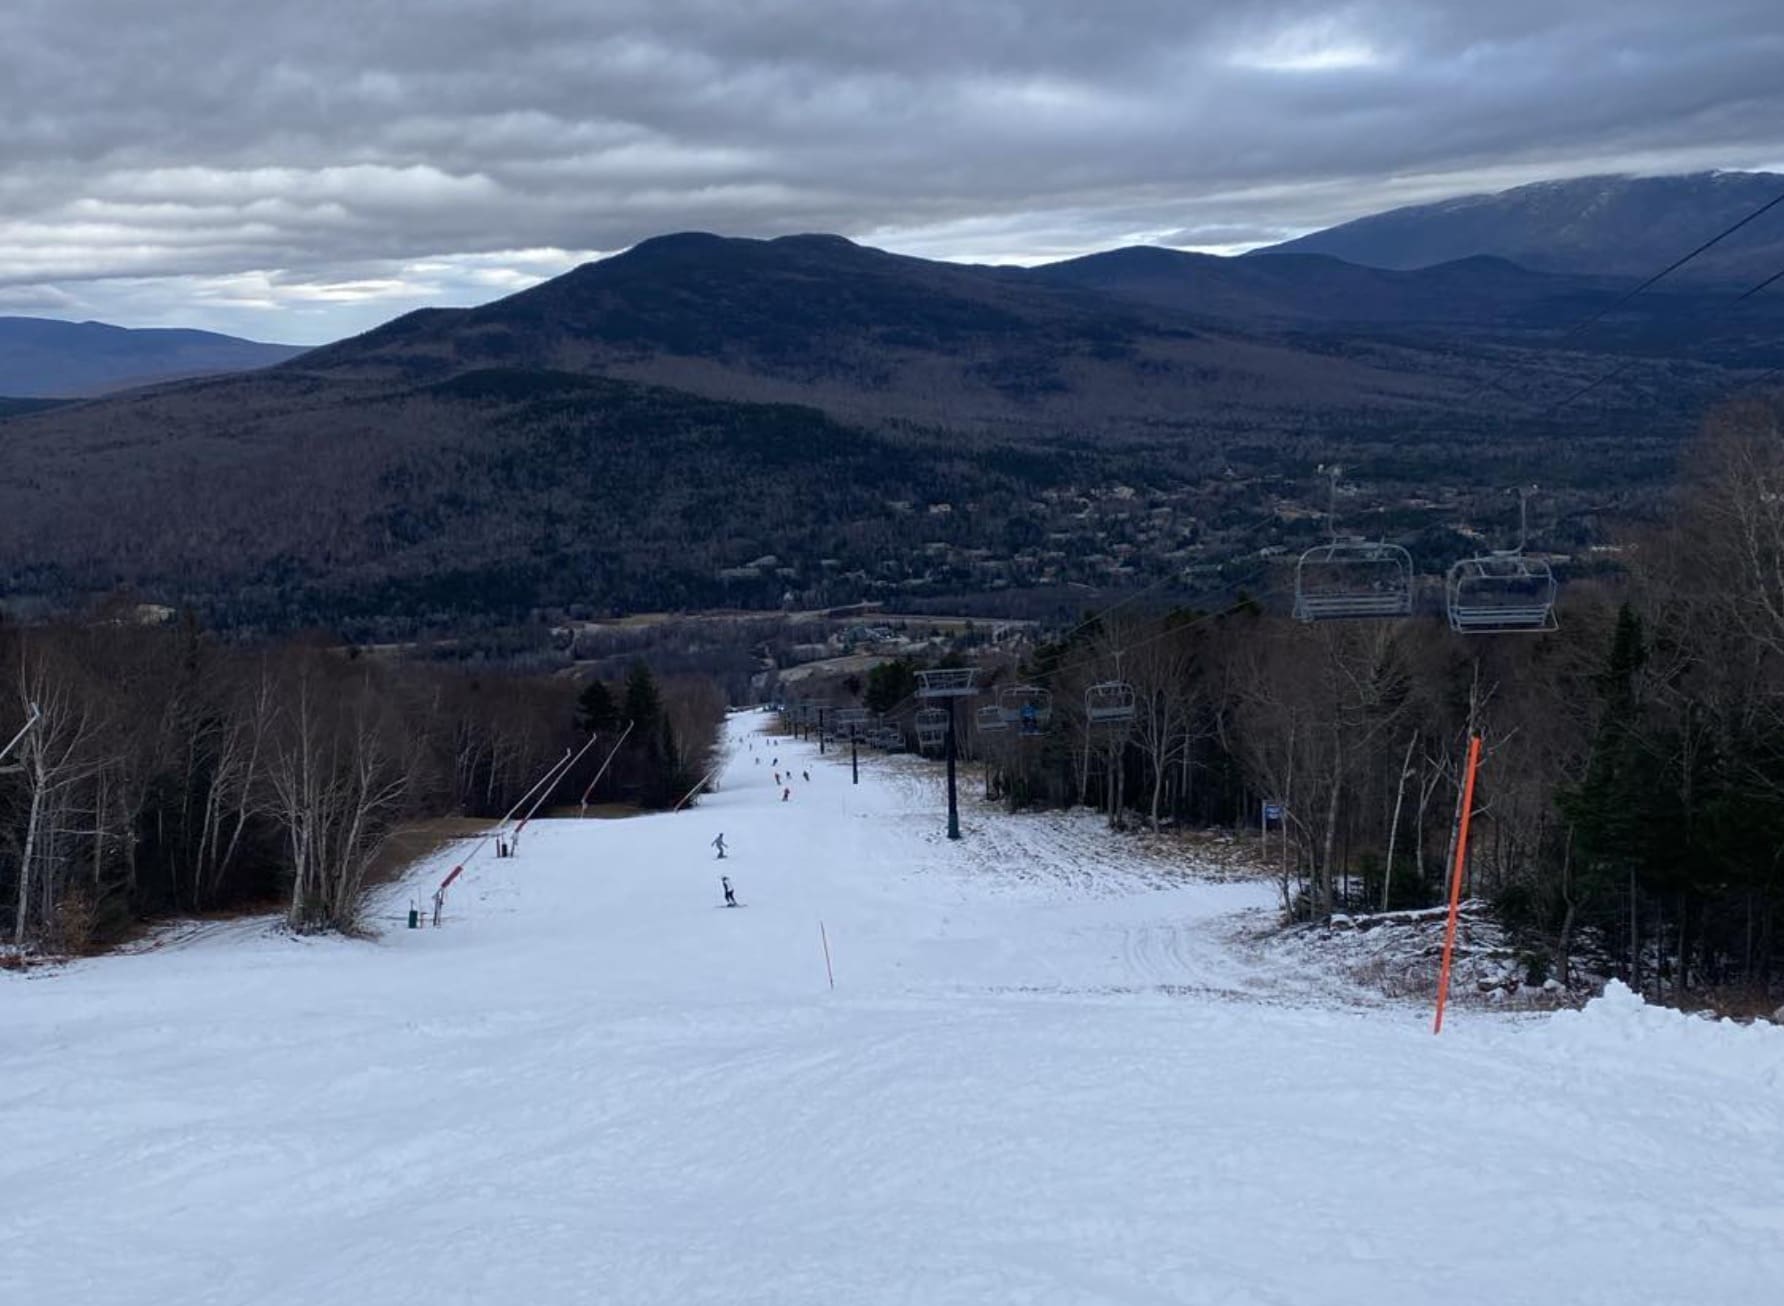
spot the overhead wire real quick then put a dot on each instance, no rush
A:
(1678, 263)
(1575, 329)
(1630, 362)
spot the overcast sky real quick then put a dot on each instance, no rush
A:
(307, 170)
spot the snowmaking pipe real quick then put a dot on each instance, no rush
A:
(23, 731)
(509, 815)
(563, 770)
(458, 870)
(696, 789)
(611, 754)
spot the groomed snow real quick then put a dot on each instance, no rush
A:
(1047, 1074)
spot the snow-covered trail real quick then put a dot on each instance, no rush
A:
(1046, 1075)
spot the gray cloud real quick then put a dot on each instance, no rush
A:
(300, 171)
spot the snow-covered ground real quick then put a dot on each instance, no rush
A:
(1045, 1075)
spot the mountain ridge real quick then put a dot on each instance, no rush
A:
(641, 428)
(48, 358)
(1606, 225)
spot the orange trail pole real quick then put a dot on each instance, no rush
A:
(1455, 903)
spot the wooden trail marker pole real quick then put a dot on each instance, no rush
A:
(1455, 901)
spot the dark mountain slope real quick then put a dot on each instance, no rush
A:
(873, 338)
(1317, 288)
(10, 407)
(41, 358)
(1479, 299)
(1596, 226)
(630, 432)
(279, 501)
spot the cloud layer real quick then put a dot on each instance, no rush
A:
(297, 172)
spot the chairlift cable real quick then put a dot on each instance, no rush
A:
(1632, 360)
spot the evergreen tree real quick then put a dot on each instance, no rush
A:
(656, 753)
(1618, 809)
(596, 712)
(889, 684)
(643, 703)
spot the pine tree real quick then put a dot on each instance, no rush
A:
(889, 684)
(596, 712)
(643, 702)
(1615, 808)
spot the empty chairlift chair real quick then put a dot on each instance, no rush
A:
(991, 719)
(946, 682)
(1351, 579)
(932, 728)
(1109, 703)
(1503, 592)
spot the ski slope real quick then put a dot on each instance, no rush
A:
(1050, 1072)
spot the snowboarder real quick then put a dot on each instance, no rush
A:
(719, 843)
(730, 897)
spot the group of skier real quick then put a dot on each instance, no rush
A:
(786, 788)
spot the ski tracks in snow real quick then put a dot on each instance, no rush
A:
(1101, 911)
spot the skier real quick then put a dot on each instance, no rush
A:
(730, 897)
(786, 794)
(777, 777)
(719, 843)
(807, 775)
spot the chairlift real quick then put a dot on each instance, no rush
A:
(946, 682)
(1349, 579)
(1027, 707)
(991, 719)
(1109, 703)
(1503, 592)
(932, 727)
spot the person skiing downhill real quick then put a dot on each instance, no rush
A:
(730, 897)
(719, 843)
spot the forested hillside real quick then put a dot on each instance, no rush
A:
(706, 421)
(161, 771)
